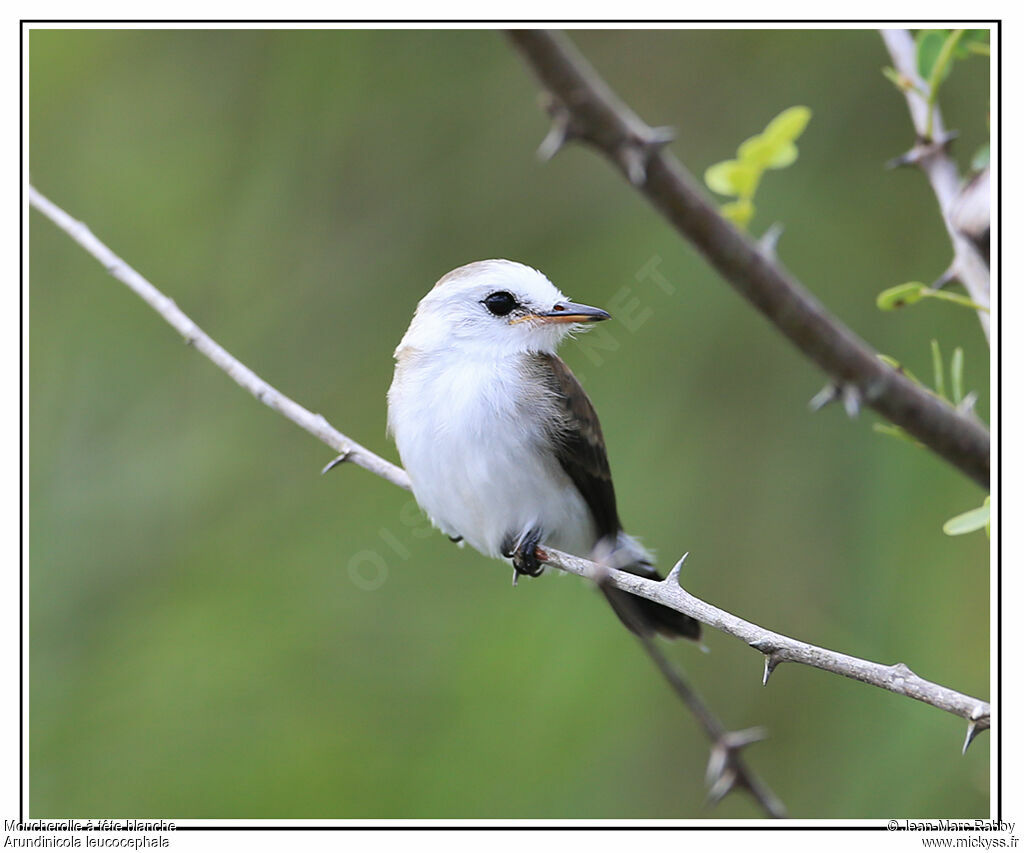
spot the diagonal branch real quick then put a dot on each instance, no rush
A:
(777, 648)
(585, 109)
(930, 155)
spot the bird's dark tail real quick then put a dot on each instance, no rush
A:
(641, 615)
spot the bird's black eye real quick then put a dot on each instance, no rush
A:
(500, 303)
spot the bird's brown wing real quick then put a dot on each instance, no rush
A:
(579, 448)
(579, 444)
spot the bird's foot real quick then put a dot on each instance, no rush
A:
(527, 558)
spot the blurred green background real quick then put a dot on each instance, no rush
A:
(217, 631)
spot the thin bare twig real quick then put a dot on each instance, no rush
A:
(777, 648)
(586, 109)
(727, 769)
(930, 155)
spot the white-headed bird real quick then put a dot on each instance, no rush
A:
(501, 443)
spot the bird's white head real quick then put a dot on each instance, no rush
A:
(497, 308)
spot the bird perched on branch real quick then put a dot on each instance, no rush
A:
(501, 443)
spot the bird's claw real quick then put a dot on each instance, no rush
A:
(525, 560)
(525, 557)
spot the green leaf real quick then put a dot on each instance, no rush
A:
(762, 152)
(980, 159)
(968, 522)
(739, 212)
(788, 125)
(956, 375)
(731, 177)
(757, 151)
(785, 155)
(719, 177)
(940, 380)
(929, 46)
(900, 295)
(914, 291)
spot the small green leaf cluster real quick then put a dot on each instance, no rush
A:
(968, 522)
(974, 519)
(957, 397)
(773, 148)
(914, 291)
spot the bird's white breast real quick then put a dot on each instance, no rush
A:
(471, 434)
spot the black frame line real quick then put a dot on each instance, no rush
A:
(492, 24)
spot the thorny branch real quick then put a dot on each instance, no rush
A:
(776, 648)
(930, 155)
(584, 108)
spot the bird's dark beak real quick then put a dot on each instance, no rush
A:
(571, 312)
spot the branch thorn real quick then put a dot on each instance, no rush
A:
(557, 136)
(673, 576)
(336, 461)
(828, 394)
(722, 785)
(770, 662)
(770, 239)
(633, 160)
(637, 149)
(849, 394)
(923, 149)
(945, 278)
(978, 722)
(967, 403)
(908, 158)
(972, 732)
(735, 741)
(851, 400)
(721, 776)
(658, 137)
(718, 765)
